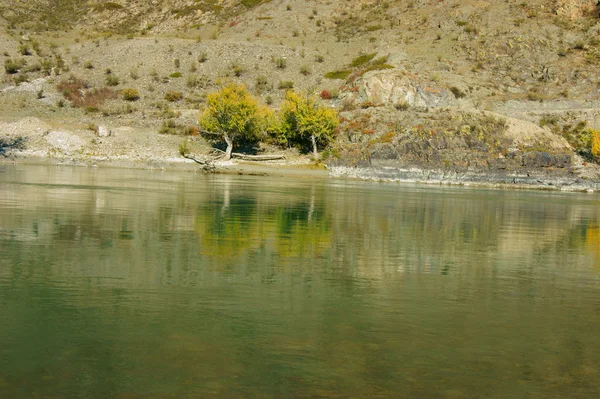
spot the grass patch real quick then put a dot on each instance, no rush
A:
(343, 74)
(285, 84)
(362, 60)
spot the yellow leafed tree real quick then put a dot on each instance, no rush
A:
(595, 143)
(303, 117)
(233, 114)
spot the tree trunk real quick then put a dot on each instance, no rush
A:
(314, 144)
(229, 149)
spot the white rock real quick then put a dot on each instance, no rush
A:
(104, 131)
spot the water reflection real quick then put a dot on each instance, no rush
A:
(137, 284)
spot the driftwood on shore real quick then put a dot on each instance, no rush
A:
(208, 163)
(246, 157)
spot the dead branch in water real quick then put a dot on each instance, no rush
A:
(207, 164)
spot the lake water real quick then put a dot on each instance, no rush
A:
(119, 283)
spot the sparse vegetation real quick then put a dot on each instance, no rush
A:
(13, 66)
(280, 63)
(343, 74)
(173, 96)
(112, 80)
(475, 57)
(130, 94)
(362, 60)
(79, 93)
(285, 84)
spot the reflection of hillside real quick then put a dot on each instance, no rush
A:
(157, 227)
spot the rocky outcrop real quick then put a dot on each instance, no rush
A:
(452, 141)
(575, 9)
(398, 87)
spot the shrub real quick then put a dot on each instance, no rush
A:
(33, 68)
(169, 127)
(173, 96)
(458, 93)
(78, 93)
(261, 82)
(402, 105)
(13, 66)
(305, 70)
(285, 84)
(325, 95)
(184, 148)
(238, 70)
(112, 80)
(533, 95)
(579, 45)
(375, 67)
(202, 57)
(130, 94)
(24, 49)
(194, 81)
(280, 63)
(72, 87)
(175, 75)
(21, 78)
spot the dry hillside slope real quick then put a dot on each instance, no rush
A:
(428, 83)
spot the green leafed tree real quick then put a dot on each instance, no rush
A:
(303, 118)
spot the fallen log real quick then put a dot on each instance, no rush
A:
(246, 157)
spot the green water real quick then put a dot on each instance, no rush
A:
(146, 284)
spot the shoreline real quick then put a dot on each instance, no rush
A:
(303, 170)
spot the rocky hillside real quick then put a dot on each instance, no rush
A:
(433, 83)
